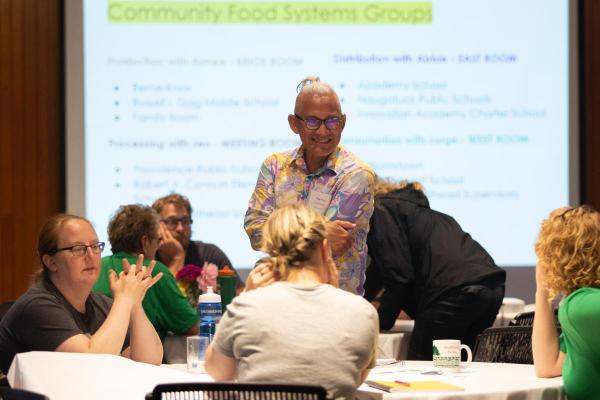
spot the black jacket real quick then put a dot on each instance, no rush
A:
(417, 254)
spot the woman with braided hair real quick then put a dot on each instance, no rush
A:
(293, 324)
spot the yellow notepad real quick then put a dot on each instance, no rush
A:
(415, 386)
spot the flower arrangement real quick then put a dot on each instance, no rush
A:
(194, 280)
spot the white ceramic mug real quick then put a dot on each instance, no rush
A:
(196, 350)
(446, 354)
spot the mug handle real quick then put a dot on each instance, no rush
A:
(469, 354)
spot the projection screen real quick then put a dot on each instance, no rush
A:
(474, 99)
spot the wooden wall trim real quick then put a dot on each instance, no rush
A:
(31, 150)
(590, 116)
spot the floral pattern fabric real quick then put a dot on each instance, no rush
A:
(344, 179)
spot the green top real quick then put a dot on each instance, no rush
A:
(579, 316)
(164, 304)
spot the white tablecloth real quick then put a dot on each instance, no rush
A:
(71, 376)
(74, 376)
(393, 345)
(403, 325)
(481, 381)
(504, 318)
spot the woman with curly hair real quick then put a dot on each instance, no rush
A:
(568, 251)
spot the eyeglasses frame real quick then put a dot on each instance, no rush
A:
(340, 120)
(100, 245)
(189, 222)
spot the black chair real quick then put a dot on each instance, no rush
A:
(7, 393)
(509, 344)
(526, 319)
(4, 307)
(235, 391)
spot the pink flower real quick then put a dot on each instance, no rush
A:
(208, 277)
(188, 273)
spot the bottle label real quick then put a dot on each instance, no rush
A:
(210, 310)
(207, 329)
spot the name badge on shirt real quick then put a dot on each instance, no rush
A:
(319, 201)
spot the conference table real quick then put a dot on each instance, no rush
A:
(481, 381)
(73, 376)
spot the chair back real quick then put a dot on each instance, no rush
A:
(235, 391)
(509, 344)
(522, 319)
(526, 319)
(4, 307)
(7, 393)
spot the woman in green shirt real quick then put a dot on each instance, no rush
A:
(568, 250)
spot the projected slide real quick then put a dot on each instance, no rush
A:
(468, 97)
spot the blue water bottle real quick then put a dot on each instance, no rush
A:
(209, 311)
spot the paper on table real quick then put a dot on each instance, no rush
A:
(415, 386)
(388, 361)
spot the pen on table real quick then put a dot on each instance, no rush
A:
(379, 386)
(402, 383)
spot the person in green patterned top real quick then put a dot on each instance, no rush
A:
(568, 250)
(133, 230)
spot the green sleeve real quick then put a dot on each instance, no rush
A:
(164, 305)
(172, 312)
(102, 284)
(561, 344)
(579, 313)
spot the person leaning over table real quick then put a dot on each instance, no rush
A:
(568, 251)
(176, 249)
(61, 313)
(322, 174)
(430, 268)
(296, 326)
(134, 229)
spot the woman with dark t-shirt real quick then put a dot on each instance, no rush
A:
(60, 312)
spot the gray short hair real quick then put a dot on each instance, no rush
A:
(313, 85)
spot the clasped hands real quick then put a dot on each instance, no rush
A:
(133, 282)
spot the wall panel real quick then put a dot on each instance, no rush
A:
(31, 143)
(591, 103)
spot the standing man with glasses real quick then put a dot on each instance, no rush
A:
(177, 249)
(322, 174)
